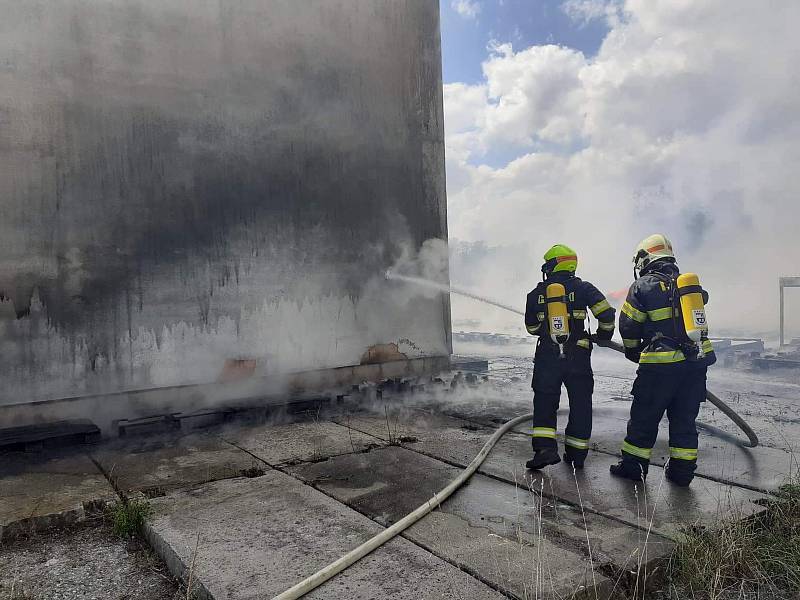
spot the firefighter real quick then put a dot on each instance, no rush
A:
(672, 367)
(567, 363)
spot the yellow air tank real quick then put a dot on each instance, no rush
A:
(557, 315)
(693, 308)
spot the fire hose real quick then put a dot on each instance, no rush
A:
(711, 397)
(317, 579)
(324, 574)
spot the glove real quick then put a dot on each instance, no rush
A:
(633, 354)
(603, 335)
(600, 341)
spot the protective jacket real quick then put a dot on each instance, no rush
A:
(650, 320)
(574, 371)
(582, 296)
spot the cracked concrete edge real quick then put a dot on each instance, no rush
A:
(175, 564)
(30, 525)
(38, 523)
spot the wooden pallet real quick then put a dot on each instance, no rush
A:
(55, 433)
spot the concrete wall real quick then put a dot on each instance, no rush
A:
(185, 182)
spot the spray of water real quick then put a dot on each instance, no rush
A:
(450, 289)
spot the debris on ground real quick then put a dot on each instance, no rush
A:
(87, 561)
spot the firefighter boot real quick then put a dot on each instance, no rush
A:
(543, 458)
(630, 469)
(575, 458)
(681, 472)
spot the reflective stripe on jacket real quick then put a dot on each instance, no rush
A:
(648, 321)
(583, 298)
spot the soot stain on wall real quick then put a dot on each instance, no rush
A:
(162, 152)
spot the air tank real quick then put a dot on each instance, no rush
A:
(557, 315)
(692, 308)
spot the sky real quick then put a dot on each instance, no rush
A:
(596, 123)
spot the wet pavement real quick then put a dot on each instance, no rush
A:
(257, 507)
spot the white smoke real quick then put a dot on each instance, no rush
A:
(684, 123)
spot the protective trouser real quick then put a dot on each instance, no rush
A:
(678, 389)
(575, 372)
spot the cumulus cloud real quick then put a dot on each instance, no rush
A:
(684, 122)
(469, 9)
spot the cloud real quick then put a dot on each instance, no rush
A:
(685, 122)
(534, 94)
(469, 9)
(584, 12)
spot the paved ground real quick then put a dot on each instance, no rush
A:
(48, 490)
(257, 507)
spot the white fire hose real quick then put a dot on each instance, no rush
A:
(336, 567)
(324, 574)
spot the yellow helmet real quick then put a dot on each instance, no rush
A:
(652, 248)
(560, 258)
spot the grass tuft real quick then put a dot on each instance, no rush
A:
(128, 518)
(755, 557)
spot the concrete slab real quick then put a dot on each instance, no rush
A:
(294, 443)
(758, 468)
(258, 537)
(767, 403)
(37, 492)
(722, 457)
(408, 422)
(156, 465)
(457, 442)
(509, 536)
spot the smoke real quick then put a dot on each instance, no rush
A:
(500, 272)
(683, 123)
(282, 321)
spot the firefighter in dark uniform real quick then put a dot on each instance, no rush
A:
(573, 369)
(672, 369)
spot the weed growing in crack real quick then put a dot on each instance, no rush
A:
(128, 518)
(394, 429)
(388, 426)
